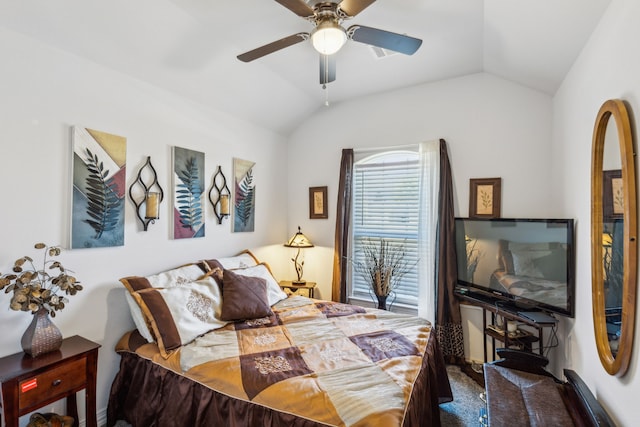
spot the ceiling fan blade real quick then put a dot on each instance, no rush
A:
(298, 7)
(354, 7)
(384, 39)
(273, 47)
(327, 69)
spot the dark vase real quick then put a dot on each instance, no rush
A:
(42, 336)
(382, 302)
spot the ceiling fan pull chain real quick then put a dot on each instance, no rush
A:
(326, 95)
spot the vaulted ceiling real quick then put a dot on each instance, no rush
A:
(189, 47)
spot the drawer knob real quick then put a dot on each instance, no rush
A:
(56, 382)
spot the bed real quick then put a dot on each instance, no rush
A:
(293, 362)
(536, 271)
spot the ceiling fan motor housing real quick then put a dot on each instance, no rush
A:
(328, 36)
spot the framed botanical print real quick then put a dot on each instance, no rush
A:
(613, 199)
(318, 203)
(484, 198)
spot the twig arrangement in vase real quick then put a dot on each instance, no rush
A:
(36, 290)
(382, 264)
(473, 257)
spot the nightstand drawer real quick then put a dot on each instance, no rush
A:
(305, 289)
(305, 292)
(53, 384)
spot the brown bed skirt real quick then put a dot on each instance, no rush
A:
(146, 394)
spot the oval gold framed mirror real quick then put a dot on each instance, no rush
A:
(613, 236)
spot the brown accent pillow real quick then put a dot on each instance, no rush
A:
(215, 270)
(244, 297)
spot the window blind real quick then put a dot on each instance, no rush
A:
(386, 195)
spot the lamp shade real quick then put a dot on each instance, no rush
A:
(299, 240)
(328, 37)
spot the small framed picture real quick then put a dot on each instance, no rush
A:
(484, 197)
(318, 203)
(612, 195)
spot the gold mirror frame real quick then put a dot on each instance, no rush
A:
(618, 364)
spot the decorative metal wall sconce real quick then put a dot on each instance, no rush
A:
(151, 199)
(221, 197)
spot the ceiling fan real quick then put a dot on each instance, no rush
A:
(328, 35)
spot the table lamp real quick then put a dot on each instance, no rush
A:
(298, 241)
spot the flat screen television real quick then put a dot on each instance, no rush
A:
(525, 262)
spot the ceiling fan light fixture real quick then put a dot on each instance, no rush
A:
(328, 37)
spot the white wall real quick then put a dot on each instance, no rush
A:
(607, 68)
(43, 93)
(493, 128)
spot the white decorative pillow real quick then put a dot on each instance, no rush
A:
(524, 263)
(274, 292)
(180, 314)
(166, 279)
(176, 277)
(242, 260)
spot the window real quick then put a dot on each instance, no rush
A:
(386, 192)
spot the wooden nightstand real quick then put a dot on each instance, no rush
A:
(306, 289)
(30, 383)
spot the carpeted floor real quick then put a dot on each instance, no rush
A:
(464, 411)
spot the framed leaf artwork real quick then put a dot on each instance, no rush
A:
(244, 196)
(612, 194)
(188, 193)
(484, 198)
(98, 174)
(318, 203)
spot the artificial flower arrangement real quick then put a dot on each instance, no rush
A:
(36, 289)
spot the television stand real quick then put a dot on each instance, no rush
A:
(521, 339)
(538, 316)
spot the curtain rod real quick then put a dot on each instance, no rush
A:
(387, 148)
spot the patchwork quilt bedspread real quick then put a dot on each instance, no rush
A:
(548, 291)
(330, 363)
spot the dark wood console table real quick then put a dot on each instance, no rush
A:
(29, 383)
(523, 340)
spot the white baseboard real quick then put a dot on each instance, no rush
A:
(102, 419)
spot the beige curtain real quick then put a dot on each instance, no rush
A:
(343, 220)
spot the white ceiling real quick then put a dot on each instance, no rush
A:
(190, 46)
